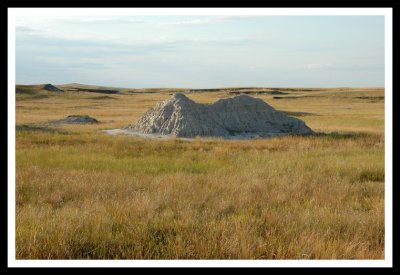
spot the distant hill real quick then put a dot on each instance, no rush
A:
(86, 88)
(74, 87)
(77, 87)
(34, 89)
(52, 88)
(91, 88)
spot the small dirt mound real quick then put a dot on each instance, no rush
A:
(102, 97)
(76, 119)
(51, 88)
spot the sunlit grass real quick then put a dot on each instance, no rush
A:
(82, 194)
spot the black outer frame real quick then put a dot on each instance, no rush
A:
(121, 4)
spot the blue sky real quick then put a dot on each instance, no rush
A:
(201, 51)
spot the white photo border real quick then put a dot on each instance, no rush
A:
(386, 12)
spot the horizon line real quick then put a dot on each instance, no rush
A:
(207, 88)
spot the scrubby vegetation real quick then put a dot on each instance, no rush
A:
(81, 194)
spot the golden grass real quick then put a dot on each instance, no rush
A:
(81, 194)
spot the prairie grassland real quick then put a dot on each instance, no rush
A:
(81, 194)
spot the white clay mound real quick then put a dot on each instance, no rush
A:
(240, 116)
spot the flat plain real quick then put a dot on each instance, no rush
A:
(82, 194)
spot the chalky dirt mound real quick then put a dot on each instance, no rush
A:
(237, 117)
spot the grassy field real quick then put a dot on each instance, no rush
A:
(81, 194)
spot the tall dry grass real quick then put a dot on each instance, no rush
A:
(83, 195)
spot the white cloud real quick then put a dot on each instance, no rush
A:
(207, 20)
(27, 30)
(110, 20)
(313, 66)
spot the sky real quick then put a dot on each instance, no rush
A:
(201, 51)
